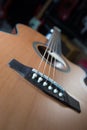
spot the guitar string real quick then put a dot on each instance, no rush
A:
(47, 59)
(49, 71)
(59, 52)
(52, 44)
(50, 65)
(48, 44)
(55, 48)
(59, 42)
(51, 50)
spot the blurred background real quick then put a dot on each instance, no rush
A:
(68, 15)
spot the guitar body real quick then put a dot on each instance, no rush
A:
(25, 107)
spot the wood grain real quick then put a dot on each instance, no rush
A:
(22, 106)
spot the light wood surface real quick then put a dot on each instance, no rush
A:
(24, 107)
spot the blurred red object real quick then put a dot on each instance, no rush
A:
(65, 8)
(83, 63)
(4, 6)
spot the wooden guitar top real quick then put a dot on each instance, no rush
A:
(23, 106)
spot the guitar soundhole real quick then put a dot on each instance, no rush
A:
(40, 49)
(85, 80)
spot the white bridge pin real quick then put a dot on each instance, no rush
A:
(44, 83)
(40, 79)
(55, 91)
(34, 75)
(60, 94)
(50, 87)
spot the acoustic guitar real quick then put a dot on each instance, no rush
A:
(39, 88)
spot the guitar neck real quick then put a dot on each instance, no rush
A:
(55, 41)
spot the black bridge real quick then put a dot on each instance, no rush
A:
(45, 84)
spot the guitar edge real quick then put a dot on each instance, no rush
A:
(24, 107)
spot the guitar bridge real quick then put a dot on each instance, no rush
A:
(45, 84)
